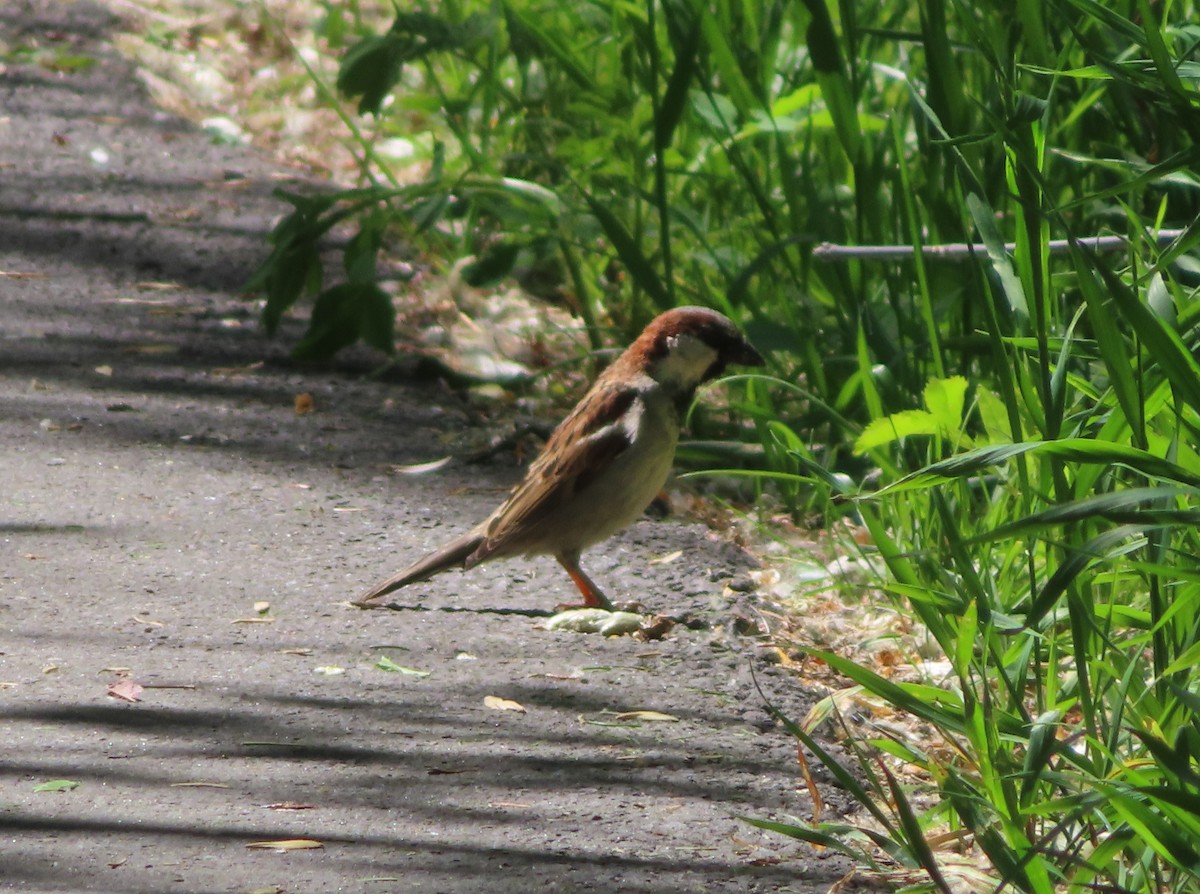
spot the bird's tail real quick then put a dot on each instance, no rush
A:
(453, 555)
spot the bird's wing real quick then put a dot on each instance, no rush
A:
(582, 448)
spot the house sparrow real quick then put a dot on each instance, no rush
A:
(606, 461)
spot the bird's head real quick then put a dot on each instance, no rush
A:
(686, 347)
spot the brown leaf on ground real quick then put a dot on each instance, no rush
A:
(647, 717)
(286, 844)
(503, 704)
(654, 628)
(126, 690)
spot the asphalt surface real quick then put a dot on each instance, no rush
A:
(157, 488)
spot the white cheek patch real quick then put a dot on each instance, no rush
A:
(687, 360)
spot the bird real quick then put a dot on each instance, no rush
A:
(606, 461)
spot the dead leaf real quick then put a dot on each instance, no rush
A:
(104, 370)
(261, 608)
(654, 629)
(126, 690)
(148, 622)
(299, 650)
(810, 782)
(647, 717)
(423, 468)
(304, 403)
(667, 558)
(227, 371)
(286, 844)
(503, 704)
(138, 302)
(118, 863)
(289, 805)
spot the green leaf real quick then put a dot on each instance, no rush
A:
(824, 49)
(1043, 744)
(985, 222)
(835, 837)
(945, 400)
(630, 253)
(904, 424)
(716, 110)
(495, 264)
(993, 414)
(1169, 841)
(938, 706)
(290, 272)
(1078, 450)
(1162, 341)
(344, 314)
(545, 43)
(362, 251)
(56, 785)
(371, 68)
(386, 664)
(1095, 550)
(675, 97)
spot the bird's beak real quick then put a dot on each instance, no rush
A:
(745, 355)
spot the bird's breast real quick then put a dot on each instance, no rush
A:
(619, 494)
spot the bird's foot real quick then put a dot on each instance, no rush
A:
(603, 604)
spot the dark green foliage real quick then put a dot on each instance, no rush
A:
(344, 314)
(372, 67)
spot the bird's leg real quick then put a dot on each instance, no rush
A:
(592, 596)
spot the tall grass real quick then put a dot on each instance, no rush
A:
(1017, 429)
